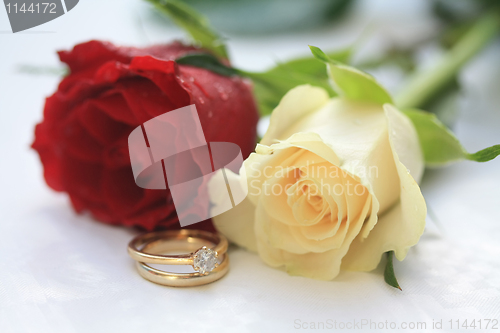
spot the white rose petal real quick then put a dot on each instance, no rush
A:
(309, 228)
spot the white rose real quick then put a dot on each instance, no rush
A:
(348, 173)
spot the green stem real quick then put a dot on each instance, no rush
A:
(424, 84)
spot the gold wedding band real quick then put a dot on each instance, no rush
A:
(182, 279)
(210, 264)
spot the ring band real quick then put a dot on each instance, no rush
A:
(188, 235)
(182, 279)
(204, 260)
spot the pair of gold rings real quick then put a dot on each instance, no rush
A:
(203, 250)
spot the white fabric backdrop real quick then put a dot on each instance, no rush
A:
(66, 273)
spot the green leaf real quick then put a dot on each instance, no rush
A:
(319, 54)
(485, 155)
(352, 83)
(439, 144)
(389, 276)
(194, 23)
(272, 85)
(207, 61)
(311, 65)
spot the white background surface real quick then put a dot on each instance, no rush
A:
(65, 273)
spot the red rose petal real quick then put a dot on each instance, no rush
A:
(100, 125)
(150, 218)
(116, 155)
(82, 179)
(164, 74)
(223, 102)
(115, 106)
(75, 140)
(92, 54)
(49, 155)
(144, 98)
(120, 192)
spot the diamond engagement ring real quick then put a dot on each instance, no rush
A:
(204, 251)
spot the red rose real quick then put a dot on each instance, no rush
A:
(82, 140)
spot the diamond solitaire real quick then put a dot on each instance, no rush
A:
(205, 260)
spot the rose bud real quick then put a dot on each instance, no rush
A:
(83, 138)
(332, 184)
